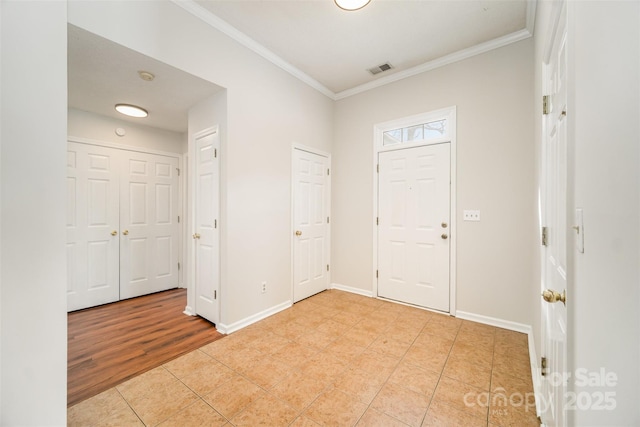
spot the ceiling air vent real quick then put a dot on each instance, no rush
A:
(380, 68)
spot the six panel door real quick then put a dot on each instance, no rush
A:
(311, 216)
(413, 225)
(149, 224)
(92, 226)
(206, 236)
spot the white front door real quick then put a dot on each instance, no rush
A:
(554, 208)
(414, 226)
(311, 224)
(206, 235)
(149, 247)
(92, 226)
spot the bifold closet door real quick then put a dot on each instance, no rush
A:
(92, 225)
(149, 224)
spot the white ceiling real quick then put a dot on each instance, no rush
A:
(337, 47)
(102, 74)
(328, 48)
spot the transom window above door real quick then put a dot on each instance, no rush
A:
(423, 132)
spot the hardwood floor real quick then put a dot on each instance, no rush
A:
(109, 344)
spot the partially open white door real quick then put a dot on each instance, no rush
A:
(149, 247)
(554, 208)
(311, 224)
(414, 226)
(92, 226)
(206, 235)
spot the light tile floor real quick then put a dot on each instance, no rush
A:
(335, 359)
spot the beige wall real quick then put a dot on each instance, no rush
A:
(493, 95)
(33, 146)
(603, 293)
(604, 136)
(83, 124)
(267, 111)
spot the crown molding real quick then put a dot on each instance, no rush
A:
(437, 63)
(203, 14)
(531, 15)
(206, 16)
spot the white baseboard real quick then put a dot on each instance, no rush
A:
(236, 326)
(351, 289)
(493, 321)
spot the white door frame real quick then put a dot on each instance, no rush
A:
(296, 146)
(378, 131)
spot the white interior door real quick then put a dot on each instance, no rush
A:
(311, 224)
(149, 239)
(413, 225)
(92, 226)
(554, 203)
(206, 235)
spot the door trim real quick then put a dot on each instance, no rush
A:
(448, 113)
(123, 147)
(300, 147)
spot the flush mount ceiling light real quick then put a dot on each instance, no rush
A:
(351, 4)
(131, 110)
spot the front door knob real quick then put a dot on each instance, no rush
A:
(552, 296)
(444, 236)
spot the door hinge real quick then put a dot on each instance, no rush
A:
(327, 267)
(376, 274)
(178, 266)
(215, 294)
(327, 172)
(327, 220)
(215, 223)
(215, 153)
(545, 105)
(178, 219)
(378, 168)
(543, 366)
(545, 236)
(377, 220)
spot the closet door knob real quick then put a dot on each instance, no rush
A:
(125, 232)
(114, 233)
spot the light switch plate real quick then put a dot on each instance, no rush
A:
(471, 215)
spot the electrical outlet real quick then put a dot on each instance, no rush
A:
(470, 215)
(264, 287)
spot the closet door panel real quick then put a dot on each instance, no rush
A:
(149, 219)
(92, 225)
